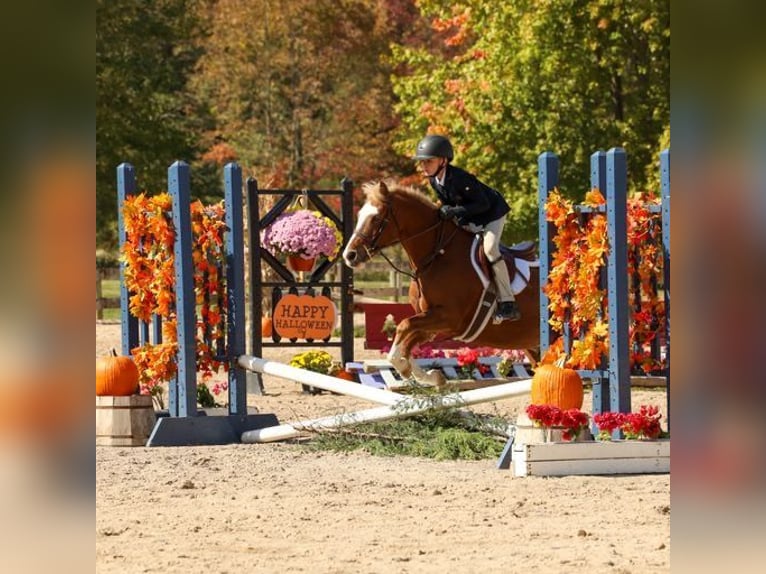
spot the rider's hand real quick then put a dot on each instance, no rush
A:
(447, 211)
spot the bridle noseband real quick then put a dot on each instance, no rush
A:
(370, 243)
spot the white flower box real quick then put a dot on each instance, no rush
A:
(591, 457)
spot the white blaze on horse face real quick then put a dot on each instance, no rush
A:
(367, 212)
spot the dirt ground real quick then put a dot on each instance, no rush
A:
(279, 508)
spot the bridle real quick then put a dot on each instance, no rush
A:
(371, 247)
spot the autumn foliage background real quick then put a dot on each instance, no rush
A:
(302, 93)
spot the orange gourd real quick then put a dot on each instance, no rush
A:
(553, 384)
(116, 376)
(345, 375)
(266, 327)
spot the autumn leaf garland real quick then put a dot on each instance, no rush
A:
(150, 279)
(575, 296)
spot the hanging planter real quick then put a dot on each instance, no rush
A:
(302, 235)
(298, 263)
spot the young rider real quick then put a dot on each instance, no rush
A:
(469, 200)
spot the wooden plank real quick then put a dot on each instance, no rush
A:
(655, 465)
(375, 365)
(596, 449)
(591, 457)
(636, 381)
(389, 379)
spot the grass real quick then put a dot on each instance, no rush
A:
(439, 436)
(445, 434)
(110, 288)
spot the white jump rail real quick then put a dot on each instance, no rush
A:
(399, 407)
(324, 382)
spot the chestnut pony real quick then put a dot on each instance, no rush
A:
(446, 289)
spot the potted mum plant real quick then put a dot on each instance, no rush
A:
(302, 235)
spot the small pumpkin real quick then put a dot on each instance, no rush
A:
(266, 327)
(345, 375)
(553, 384)
(116, 376)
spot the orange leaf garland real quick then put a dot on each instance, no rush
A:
(580, 250)
(150, 279)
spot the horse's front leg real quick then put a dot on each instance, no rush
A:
(410, 332)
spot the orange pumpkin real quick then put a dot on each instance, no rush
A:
(116, 376)
(266, 327)
(345, 375)
(553, 384)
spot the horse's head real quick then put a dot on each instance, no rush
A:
(373, 230)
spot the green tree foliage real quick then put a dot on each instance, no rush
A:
(513, 79)
(145, 53)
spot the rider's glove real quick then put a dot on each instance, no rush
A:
(448, 211)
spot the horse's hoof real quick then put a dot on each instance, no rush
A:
(399, 362)
(436, 377)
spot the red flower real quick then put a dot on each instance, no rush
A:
(645, 424)
(573, 421)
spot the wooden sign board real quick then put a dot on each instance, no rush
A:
(304, 317)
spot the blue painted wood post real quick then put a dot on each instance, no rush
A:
(143, 333)
(600, 397)
(598, 171)
(665, 190)
(617, 282)
(255, 288)
(126, 186)
(547, 178)
(182, 401)
(156, 330)
(347, 274)
(235, 287)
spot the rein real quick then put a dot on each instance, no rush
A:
(438, 248)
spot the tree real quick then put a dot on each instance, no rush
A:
(512, 80)
(145, 52)
(300, 89)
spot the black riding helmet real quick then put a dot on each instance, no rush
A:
(434, 146)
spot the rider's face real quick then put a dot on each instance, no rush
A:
(430, 167)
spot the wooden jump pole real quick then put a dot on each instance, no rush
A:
(401, 407)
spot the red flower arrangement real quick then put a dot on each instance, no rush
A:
(645, 424)
(468, 362)
(573, 421)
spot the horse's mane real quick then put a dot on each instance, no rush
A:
(376, 197)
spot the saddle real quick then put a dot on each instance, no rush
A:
(525, 250)
(487, 302)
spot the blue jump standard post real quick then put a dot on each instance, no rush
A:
(193, 427)
(611, 389)
(611, 383)
(184, 424)
(134, 332)
(126, 187)
(665, 190)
